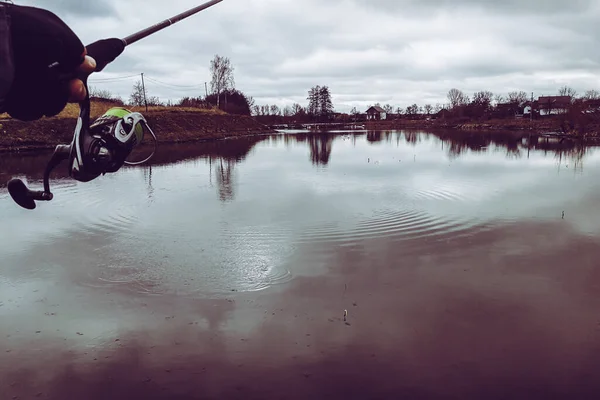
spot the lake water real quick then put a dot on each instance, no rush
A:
(512, 228)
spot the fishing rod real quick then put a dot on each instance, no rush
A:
(103, 146)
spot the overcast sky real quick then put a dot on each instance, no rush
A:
(389, 51)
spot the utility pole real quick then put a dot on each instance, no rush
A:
(531, 109)
(144, 89)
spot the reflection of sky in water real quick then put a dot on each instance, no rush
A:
(173, 231)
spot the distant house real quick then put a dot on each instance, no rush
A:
(591, 105)
(376, 113)
(442, 114)
(548, 105)
(508, 110)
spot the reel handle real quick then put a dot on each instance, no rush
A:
(26, 197)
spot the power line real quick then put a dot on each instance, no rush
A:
(176, 86)
(116, 78)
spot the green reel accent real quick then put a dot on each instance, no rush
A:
(116, 114)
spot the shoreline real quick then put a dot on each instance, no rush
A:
(186, 126)
(171, 126)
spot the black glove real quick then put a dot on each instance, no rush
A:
(39, 39)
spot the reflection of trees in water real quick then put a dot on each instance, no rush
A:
(147, 171)
(320, 145)
(320, 149)
(374, 136)
(515, 144)
(224, 176)
(411, 137)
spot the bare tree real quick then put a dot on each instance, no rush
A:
(428, 108)
(592, 95)
(137, 97)
(438, 107)
(499, 99)
(102, 94)
(457, 98)
(388, 109)
(287, 111)
(567, 91)
(275, 110)
(297, 109)
(256, 110)
(483, 97)
(519, 98)
(399, 111)
(412, 110)
(221, 72)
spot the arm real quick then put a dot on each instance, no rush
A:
(31, 39)
(6, 59)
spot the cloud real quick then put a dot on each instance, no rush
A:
(365, 51)
(74, 7)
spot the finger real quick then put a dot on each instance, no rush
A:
(88, 65)
(77, 91)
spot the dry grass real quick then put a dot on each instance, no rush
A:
(100, 107)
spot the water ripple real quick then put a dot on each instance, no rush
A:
(410, 224)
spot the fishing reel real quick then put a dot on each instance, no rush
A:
(96, 149)
(104, 146)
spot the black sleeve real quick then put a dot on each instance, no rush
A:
(7, 69)
(38, 39)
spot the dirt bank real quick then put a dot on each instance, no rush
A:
(538, 126)
(171, 126)
(541, 126)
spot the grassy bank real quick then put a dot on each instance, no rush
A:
(171, 125)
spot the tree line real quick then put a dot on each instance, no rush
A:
(319, 109)
(459, 104)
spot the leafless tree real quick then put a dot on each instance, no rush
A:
(457, 98)
(412, 110)
(221, 72)
(483, 97)
(567, 91)
(275, 110)
(592, 95)
(428, 108)
(498, 99)
(438, 107)
(296, 109)
(388, 109)
(137, 97)
(519, 98)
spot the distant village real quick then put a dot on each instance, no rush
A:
(460, 108)
(543, 106)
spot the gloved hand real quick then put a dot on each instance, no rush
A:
(38, 39)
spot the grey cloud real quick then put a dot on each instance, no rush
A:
(536, 7)
(399, 52)
(98, 8)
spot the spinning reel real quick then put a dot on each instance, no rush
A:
(104, 146)
(98, 148)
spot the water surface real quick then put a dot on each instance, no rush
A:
(368, 210)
